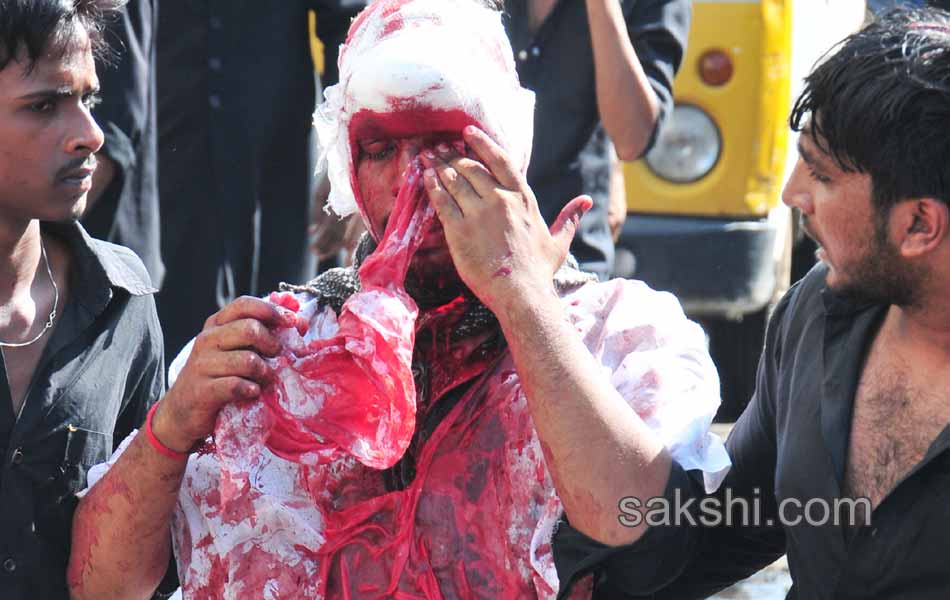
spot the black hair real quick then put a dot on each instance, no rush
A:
(880, 105)
(34, 27)
(498, 5)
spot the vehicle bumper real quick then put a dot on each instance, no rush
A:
(715, 267)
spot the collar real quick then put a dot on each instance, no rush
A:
(849, 329)
(98, 265)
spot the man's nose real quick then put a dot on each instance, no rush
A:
(408, 151)
(84, 136)
(797, 193)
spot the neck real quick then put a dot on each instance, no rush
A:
(925, 325)
(20, 257)
(432, 286)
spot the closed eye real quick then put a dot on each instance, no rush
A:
(43, 106)
(818, 176)
(376, 149)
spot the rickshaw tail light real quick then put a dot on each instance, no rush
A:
(715, 68)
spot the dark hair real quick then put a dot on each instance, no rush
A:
(880, 105)
(38, 26)
(498, 5)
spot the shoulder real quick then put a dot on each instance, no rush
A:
(125, 271)
(123, 267)
(623, 295)
(623, 305)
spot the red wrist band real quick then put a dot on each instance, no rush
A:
(156, 443)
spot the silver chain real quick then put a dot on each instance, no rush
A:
(52, 313)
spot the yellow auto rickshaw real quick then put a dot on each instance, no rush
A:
(705, 220)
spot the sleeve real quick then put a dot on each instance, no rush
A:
(333, 23)
(149, 387)
(698, 557)
(658, 30)
(125, 83)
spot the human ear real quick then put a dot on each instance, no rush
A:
(923, 223)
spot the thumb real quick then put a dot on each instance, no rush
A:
(565, 225)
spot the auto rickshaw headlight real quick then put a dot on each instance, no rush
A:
(688, 146)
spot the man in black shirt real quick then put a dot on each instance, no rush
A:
(81, 354)
(599, 68)
(71, 308)
(845, 443)
(236, 94)
(123, 202)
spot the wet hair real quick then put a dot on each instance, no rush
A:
(880, 105)
(34, 27)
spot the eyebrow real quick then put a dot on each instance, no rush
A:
(809, 158)
(61, 92)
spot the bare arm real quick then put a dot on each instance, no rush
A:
(617, 208)
(627, 103)
(121, 539)
(121, 542)
(596, 447)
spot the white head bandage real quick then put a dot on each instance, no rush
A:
(420, 59)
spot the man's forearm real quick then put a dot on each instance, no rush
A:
(628, 106)
(121, 536)
(596, 447)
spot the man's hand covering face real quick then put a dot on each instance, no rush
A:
(412, 56)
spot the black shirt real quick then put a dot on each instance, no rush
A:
(791, 443)
(127, 211)
(571, 150)
(236, 94)
(100, 372)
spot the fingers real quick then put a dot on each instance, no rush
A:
(243, 364)
(469, 184)
(209, 381)
(248, 307)
(475, 173)
(448, 166)
(493, 157)
(231, 389)
(445, 205)
(247, 334)
(567, 221)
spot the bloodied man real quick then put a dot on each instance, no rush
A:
(436, 412)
